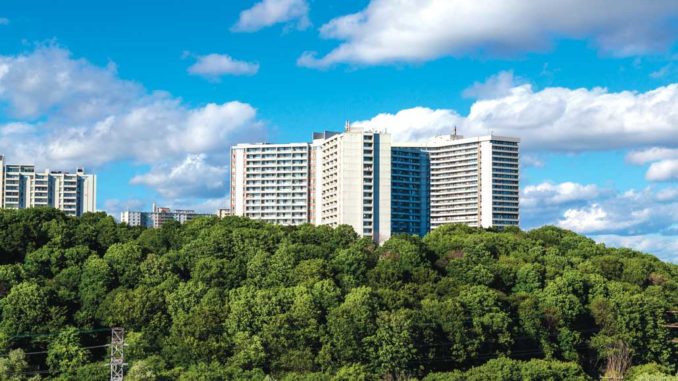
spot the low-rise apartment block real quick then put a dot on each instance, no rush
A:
(158, 216)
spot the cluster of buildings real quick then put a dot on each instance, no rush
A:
(361, 178)
(357, 177)
(21, 186)
(158, 216)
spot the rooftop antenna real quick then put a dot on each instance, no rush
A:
(347, 127)
(454, 135)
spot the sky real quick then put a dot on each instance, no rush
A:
(150, 95)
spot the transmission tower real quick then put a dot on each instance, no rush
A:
(117, 356)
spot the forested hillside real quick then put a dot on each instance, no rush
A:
(236, 299)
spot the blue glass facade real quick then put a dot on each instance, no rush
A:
(410, 191)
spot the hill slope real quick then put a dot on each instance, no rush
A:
(240, 299)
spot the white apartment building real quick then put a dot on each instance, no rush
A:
(270, 182)
(356, 182)
(474, 181)
(21, 186)
(158, 216)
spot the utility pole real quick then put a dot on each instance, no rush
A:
(117, 356)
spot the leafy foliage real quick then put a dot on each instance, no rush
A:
(237, 299)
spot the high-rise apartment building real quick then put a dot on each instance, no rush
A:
(270, 182)
(158, 216)
(356, 182)
(474, 181)
(21, 186)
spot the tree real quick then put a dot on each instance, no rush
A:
(124, 259)
(95, 283)
(393, 344)
(14, 366)
(25, 309)
(349, 325)
(64, 353)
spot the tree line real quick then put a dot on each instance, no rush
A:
(238, 299)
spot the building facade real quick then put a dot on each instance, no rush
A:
(22, 187)
(474, 181)
(410, 190)
(158, 216)
(356, 182)
(270, 182)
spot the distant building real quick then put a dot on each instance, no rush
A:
(221, 213)
(21, 186)
(159, 216)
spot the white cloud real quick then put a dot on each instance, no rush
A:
(413, 31)
(595, 219)
(645, 220)
(269, 12)
(554, 118)
(528, 160)
(414, 124)
(668, 194)
(664, 161)
(71, 113)
(632, 212)
(665, 170)
(114, 206)
(49, 80)
(213, 66)
(663, 72)
(4, 21)
(496, 86)
(648, 155)
(665, 247)
(548, 193)
(193, 176)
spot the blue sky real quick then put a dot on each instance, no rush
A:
(150, 95)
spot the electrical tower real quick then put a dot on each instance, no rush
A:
(117, 357)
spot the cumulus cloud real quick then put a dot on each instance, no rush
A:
(269, 12)
(496, 86)
(213, 66)
(548, 193)
(69, 112)
(414, 124)
(192, 176)
(645, 219)
(665, 247)
(527, 160)
(49, 80)
(664, 161)
(595, 218)
(668, 194)
(644, 211)
(554, 118)
(414, 31)
(665, 170)
(651, 154)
